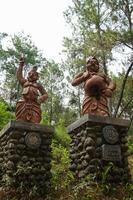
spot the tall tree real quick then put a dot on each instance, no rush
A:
(121, 14)
(51, 77)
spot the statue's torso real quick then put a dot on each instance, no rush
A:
(94, 85)
(95, 102)
(30, 91)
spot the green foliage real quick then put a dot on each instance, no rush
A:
(105, 172)
(130, 144)
(45, 118)
(61, 135)
(51, 77)
(5, 115)
(61, 175)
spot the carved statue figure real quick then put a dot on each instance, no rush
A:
(97, 87)
(33, 94)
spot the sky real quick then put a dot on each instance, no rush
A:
(41, 19)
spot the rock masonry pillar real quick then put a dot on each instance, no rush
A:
(25, 155)
(98, 143)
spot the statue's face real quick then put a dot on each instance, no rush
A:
(32, 76)
(92, 65)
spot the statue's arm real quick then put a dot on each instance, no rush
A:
(44, 94)
(79, 78)
(19, 72)
(111, 86)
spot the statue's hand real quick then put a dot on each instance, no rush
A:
(107, 92)
(21, 61)
(40, 100)
(86, 75)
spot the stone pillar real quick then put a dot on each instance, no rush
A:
(99, 143)
(25, 155)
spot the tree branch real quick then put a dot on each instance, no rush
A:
(127, 45)
(125, 107)
(122, 89)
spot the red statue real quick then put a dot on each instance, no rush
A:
(98, 87)
(33, 94)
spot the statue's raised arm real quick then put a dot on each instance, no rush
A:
(19, 73)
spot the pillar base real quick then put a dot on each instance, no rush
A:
(99, 143)
(25, 155)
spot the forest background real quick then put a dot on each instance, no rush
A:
(102, 28)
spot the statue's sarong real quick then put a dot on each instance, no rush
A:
(94, 106)
(28, 111)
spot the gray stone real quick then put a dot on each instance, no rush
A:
(92, 121)
(22, 140)
(124, 147)
(21, 146)
(90, 150)
(33, 140)
(14, 141)
(89, 142)
(99, 141)
(14, 157)
(96, 162)
(82, 153)
(92, 135)
(99, 133)
(84, 163)
(11, 146)
(87, 157)
(124, 140)
(111, 152)
(15, 134)
(73, 156)
(10, 165)
(80, 145)
(20, 127)
(1, 160)
(81, 174)
(1, 154)
(110, 134)
(40, 159)
(3, 143)
(91, 169)
(24, 158)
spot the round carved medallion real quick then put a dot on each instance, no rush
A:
(33, 140)
(110, 134)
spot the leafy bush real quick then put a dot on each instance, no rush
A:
(5, 115)
(130, 145)
(61, 134)
(61, 175)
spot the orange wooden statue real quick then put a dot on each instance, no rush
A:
(33, 94)
(97, 87)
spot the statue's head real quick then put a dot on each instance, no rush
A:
(33, 74)
(92, 64)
